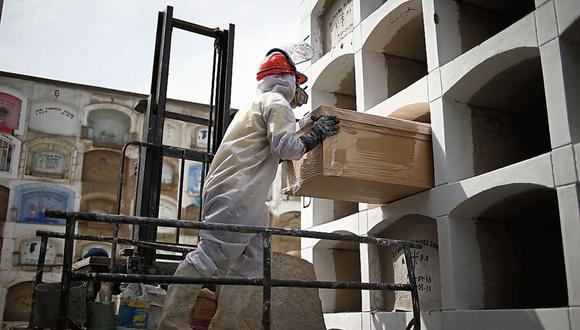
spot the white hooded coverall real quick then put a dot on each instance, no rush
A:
(240, 176)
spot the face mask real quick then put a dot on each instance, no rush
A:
(300, 98)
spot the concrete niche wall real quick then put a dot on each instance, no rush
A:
(387, 264)
(507, 250)
(338, 261)
(481, 19)
(332, 21)
(394, 53)
(504, 116)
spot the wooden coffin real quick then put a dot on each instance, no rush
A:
(372, 159)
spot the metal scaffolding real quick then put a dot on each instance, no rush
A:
(267, 282)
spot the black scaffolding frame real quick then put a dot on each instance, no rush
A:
(267, 282)
(151, 149)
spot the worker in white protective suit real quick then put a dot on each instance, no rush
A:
(236, 188)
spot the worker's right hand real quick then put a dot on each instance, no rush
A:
(324, 127)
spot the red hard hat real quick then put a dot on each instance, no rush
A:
(277, 61)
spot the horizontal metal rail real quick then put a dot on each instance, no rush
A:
(196, 28)
(117, 240)
(266, 282)
(171, 279)
(109, 218)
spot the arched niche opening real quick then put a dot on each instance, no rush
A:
(108, 128)
(480, 20)
(13, 111)
(103, 166)
(32, 199)
(505, 110)
(394, 53)
(9, 155)
(331, 22)
(54, 118)
(338, 261)
(335, 86)
(51, 159)
(100, 175)
(505, 241)
(18, 302)
(287, 244)
(387, 264)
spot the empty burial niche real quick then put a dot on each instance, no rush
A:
(511, 252)
(326, 210)
(508, 116)
(335, 86)
(332, 21)
(394, 55)
(387, 264)
(480, 20)
(338, 261)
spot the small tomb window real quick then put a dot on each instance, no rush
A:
(108, 127)
(6, 149)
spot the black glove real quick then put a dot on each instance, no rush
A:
(324, 127)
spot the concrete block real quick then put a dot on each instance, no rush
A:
(569, 205)
(438, 142)
(434, 81)
(365, 276)
(529, 319)
(552, 72)
(567, 12)
(574, 318)
(445, 264)
(546, 23)
(564, 166)
(363, 223)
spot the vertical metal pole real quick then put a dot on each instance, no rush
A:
(414, 293)
(39, 270)
(224, 84)
(267, 294)
(66, 273)
(150, 163)
(180, 194)
(119, 196)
